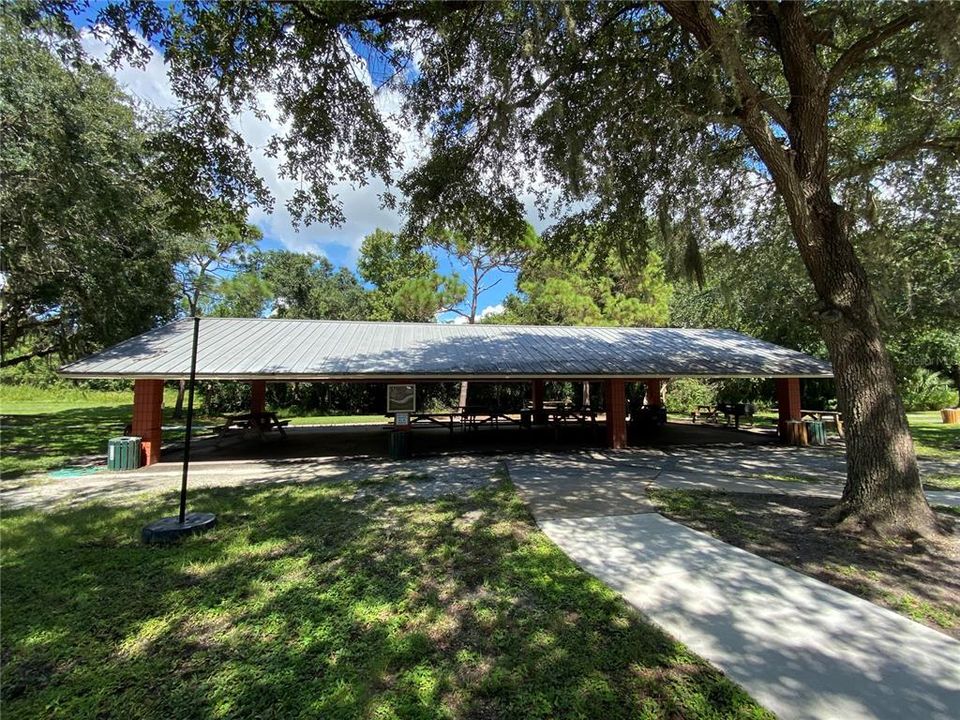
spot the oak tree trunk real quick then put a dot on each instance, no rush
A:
(883, 489)
(178, 407)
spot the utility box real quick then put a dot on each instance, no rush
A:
(123, 453)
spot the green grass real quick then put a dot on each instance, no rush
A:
(932, 438)
(942, 482)
(331, 419)
(316, 601)
(713, 508)
(48, 428)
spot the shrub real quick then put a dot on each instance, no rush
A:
(684, 394)
(926, 390)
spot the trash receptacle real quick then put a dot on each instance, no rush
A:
(816, 432)
(123, 453)
(399, 444)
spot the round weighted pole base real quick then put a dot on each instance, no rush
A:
(170, 529)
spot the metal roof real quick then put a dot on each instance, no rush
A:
(282, 349)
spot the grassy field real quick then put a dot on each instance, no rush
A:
(332, 419)
(48, 428)
(333, 601)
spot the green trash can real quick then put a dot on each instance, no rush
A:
(816, 432)
(123, 453)
(399, 444)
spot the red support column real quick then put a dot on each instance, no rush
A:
(148, 418)
(788, 402)
(258, 396)
(537, 391)
(654, 397)
(615, 403)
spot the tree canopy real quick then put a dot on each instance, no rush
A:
(84, 250)
(704, 116)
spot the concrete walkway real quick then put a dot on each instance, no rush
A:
(802, 648)
(424, 478)
(603, 482)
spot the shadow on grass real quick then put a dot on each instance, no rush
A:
(315, 601)
(39, 442)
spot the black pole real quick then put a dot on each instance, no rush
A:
(186, 441)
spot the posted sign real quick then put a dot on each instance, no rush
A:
(401, 399)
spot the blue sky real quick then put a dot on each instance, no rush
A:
(361, 206)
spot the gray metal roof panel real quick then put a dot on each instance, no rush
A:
(301, 349)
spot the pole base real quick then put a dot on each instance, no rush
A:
(170, 529)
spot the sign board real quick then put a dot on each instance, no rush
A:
(401, 398)
(401, 419)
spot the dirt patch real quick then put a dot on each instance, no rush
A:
(921, 582)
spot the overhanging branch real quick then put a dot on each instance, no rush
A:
(854, 55)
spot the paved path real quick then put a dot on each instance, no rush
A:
(802, 648)
(602, 482)
(425, 478)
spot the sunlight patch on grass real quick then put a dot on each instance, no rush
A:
(312, 597)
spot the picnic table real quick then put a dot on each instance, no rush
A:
(475, 416)
(563, 415)
(707, 412)
(825, 416)
(442, 419)
(259, 422)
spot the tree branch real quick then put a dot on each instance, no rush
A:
(902, 152)
(28, 356)
(855, 54)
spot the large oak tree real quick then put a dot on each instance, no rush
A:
(696, 111)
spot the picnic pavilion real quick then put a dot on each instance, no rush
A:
(262, 350)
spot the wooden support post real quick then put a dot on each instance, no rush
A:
(258, 396)
(654, 397)
(148, 418)
(788, 403)
(615, 404)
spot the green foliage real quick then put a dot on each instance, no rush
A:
(207, 258)
(589, 285)
(683, 395)
(407, 286)
(926, 390)
(303, 285)
(482, 249)
(340, 598)
(243, 295)
(85, 256)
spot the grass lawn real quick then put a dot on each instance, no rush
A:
(331, 419)
(47, 428)
(919, 584)
(932, 438)
(332, 601)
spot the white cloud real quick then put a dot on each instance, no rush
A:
(491, 310)
(361, 205)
